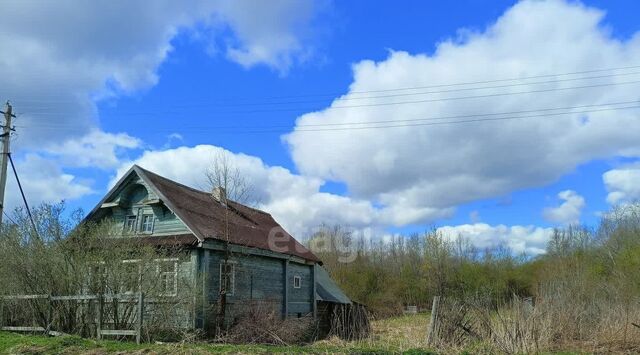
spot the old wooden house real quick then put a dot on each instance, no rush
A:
(266, 263)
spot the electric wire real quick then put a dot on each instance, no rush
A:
(423, 87)
(24, 199)
(9, 217)
(416, 122)
(349, 98)
(378, 104)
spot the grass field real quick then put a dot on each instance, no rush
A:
(395, 335)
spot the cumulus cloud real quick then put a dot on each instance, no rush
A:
(424, 172)
(96, 149)
(519, 239)
(276, 37)
(295, 201)
(81, 52)
(43, 181)
(65, 56)
(569, 211)
(623, 184)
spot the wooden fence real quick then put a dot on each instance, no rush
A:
(100, 299)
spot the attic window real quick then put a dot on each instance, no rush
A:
(130, 224)
(147, 223)
(297, 282)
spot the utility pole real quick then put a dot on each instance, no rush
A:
(6, 139)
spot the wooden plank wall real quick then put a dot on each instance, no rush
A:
(262, 279)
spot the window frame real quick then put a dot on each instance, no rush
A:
(139, 276)
(232, 274)
(128, 230)
(143, 223)
(299, 280)
(174, 275)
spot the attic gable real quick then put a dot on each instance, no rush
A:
(203, 215)
(132, 191)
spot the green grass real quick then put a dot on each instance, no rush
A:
(12, 343)
(405, 334)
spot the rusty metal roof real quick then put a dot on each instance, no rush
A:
(207, 218)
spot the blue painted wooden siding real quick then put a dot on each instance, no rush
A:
(261, 279)
(300, 299)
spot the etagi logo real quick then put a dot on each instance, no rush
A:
(342, 242)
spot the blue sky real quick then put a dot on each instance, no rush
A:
(167, 86)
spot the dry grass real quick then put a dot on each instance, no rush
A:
(555, 324)
(262, 323)
(393, 335)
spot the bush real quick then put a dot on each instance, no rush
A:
(262, 323)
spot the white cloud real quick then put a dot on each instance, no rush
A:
(43, 181)
(96, 149)
(519, 239)
(43, 174)
(65, 55)
(295, 201)
(623, 184)
(276, 37)
(424, 172)
(569, 211)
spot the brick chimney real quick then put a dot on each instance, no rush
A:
(220, 194)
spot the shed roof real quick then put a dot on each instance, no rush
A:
(206, 217)
(327, 289)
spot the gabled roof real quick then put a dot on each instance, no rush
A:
(207, 218)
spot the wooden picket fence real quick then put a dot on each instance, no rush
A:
(100, 299)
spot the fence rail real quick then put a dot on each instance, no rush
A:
(100, 299)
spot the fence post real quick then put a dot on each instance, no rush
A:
(99, 322)
(140, 315)
(431, 331)
(49, 315)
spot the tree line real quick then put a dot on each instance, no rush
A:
(410, 270)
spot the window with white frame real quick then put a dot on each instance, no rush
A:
(130, 224)
(131, 276)
(168, 274)
(297, 282)
(227, 277)
(147, 223)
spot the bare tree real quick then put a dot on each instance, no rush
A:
(224, 174)
(227, 185)
(71, 259)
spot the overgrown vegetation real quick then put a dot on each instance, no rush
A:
(582, 294)
(63, 258)
(391, 336)
(409, 270)
(584, 291)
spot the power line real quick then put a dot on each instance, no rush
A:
(24, 199)
(415, 93)
(408, 122)
(352, 93)
(141, 113)
(481, 81)
(490, 81)
(9, 217)
(462, 121)
(467, 116)
(54, 125)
